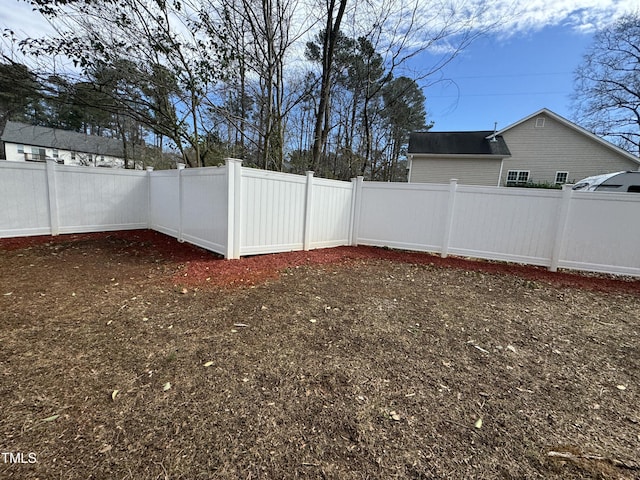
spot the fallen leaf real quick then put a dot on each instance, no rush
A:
(313, 320)
(394, 415)
(621, 387)
(511, 348)
(51, 418)
(7, 294)
(105, 449)
(166, 386)
(208, 364)
(478, 423)
(114, 394)
(184, 290)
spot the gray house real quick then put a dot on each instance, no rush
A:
(541, 148)
(22, 142)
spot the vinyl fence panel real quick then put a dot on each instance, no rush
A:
(164, 202)
(96, 199)
(405, 216)
(24, 203)
(511, 224)
(331, 213)
(272, 212)
(204, 207)
(603, 233)
(51, 199)
(577, 230)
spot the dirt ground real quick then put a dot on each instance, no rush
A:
(127, 355)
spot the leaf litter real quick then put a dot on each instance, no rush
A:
(549, 389)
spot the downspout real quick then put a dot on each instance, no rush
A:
(410, 165)
(500, 174)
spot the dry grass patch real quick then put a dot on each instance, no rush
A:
(368, 368)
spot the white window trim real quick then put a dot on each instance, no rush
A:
(540, 122)
(517, 181)
(565, 180)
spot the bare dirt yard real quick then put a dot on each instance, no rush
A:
(127, 355)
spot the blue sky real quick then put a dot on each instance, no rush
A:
(527, 63)
(505, 80)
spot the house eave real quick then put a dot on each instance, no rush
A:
(456, 156)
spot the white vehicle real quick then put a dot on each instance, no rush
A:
(610, 182)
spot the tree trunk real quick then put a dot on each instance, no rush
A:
(321, 130)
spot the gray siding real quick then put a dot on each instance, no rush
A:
(469, 171)
(554, 147)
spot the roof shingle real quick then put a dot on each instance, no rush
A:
(21, 133)
(458, 143)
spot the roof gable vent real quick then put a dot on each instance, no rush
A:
(540, 122)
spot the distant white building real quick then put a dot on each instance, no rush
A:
(32, 143)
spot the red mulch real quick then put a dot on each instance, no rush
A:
(206, 268)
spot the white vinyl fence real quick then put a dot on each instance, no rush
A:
(236, 211)
(49, 199)
(592, 231)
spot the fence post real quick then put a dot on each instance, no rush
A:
(234, 207)
(448, 226)
(54, 221)
(149, 170)
(306, 236)
(356, 205)
(181, 167)
(561, 226)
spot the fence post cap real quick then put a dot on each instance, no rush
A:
(149, 169)
(181, 166)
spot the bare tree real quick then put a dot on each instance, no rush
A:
(607, 84)
(335, 10)
(150, 36)
(396, 32)
(264, 33)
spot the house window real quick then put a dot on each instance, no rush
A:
(20, 148)
(561, 177)
(517, 177)
(38, 154)
(540, 122)
(56, 153)
(73, 156)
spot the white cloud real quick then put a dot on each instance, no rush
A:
(523, 16)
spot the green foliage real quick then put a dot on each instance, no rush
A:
(20, 94)
(547, 185)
